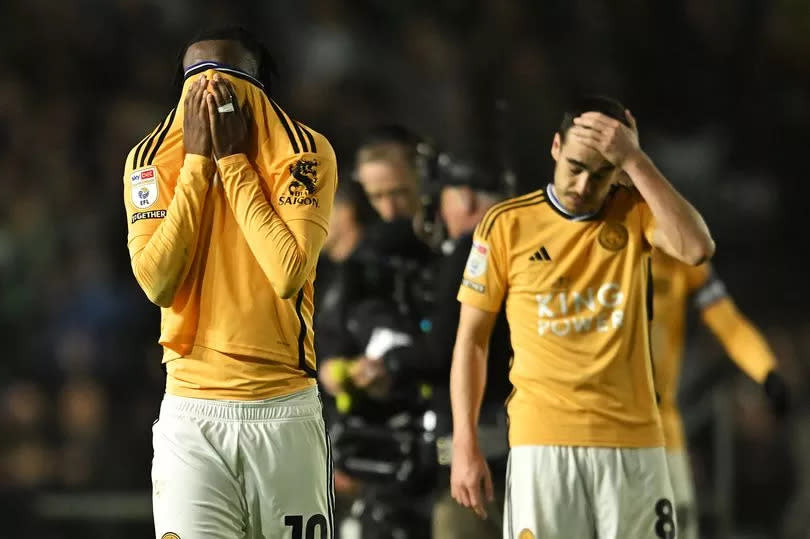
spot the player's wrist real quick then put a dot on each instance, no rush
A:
(228, 152)
(634, 161)
(232, 159)
(465, 440)
(199, 165)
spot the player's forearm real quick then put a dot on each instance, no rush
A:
(161, 260)
(467, 383)
(286, 258)
(683, 228)
(743, 342)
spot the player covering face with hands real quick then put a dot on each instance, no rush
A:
(571, 264)
(206, 128)
(228, 202)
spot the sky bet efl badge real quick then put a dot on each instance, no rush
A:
(477, 262)
(144, 187)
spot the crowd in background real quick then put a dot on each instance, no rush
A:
(721, 91)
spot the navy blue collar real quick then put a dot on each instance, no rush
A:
(557, 205)
(230, 70)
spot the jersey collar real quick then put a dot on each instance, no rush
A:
(559, 208)
(199, 67)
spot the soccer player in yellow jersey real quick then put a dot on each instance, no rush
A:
(571, 261)
(227, 204)
(674, 284)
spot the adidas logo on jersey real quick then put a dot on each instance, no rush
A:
(540, 255)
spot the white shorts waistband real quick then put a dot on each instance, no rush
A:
(298, 405)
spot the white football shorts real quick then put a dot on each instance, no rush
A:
(242, 470)
(562, 492)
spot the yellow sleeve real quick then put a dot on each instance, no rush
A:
(704, 285)
(305, 184)
(484, 282)
(285, 238)
(163, 220)
(743, 342)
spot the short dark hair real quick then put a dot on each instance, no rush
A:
(592, 103)
(466, 170)
(266, 68)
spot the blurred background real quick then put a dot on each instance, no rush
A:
(721, 91)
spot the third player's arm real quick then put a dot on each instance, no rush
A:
(746, 345)
(743, 342)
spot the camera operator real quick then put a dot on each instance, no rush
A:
(414, 337)
(463, 192)
(389, 168)
(370, 307)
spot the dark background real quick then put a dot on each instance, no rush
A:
(721, 91)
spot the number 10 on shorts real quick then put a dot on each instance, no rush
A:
(315, 522)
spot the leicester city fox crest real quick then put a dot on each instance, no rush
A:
(613, 236)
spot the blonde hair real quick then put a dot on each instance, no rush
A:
(393, 152)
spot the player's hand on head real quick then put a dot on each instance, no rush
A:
(471, 479)
(196, 128)
(610, 137)
(230, 123)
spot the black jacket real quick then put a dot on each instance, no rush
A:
(431, 359)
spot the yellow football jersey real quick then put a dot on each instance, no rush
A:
(675, 285)
(577, 295)
(227, 333)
